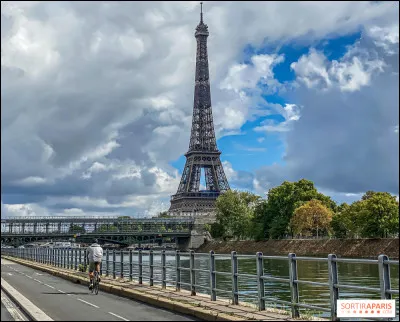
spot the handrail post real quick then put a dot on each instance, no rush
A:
(163, 270)
(260, 281)
(333, 281)
(76, 259)
(235, 288)
(384, 277)
(294, 288)
(192, 274)
(130, 265)
(140, 260)
(151, 268)
(85, 258)
(113, 264)
(213, 279)
(68, 258)
(178, 270)
(107, 261)
(80, 256)
(122, 264)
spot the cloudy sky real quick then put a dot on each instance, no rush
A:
(97, 100)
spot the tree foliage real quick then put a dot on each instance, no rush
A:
(311, 219)
(234, 215)
(283, 200)
(376, 215)
(76, 229)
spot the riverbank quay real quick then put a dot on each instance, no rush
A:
(182, 301)
(351, 248)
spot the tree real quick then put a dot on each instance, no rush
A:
(342, 226)
(283, 200)
(375, 215)
(379, 215)
(76, 229)
(163, 214)
(310, 218)
(106, 228)
(234, 214)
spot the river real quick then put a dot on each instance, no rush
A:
(349, 273)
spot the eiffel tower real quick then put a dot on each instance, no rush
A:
(203, 152)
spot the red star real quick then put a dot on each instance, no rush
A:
(366, 311)
(372, 311)
(360, 312)
(354, 311)
(378, 312)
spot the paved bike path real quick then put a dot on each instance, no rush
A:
(63, 300)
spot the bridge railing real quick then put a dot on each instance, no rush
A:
(171, 268)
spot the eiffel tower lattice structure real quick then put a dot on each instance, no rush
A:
(203, 152)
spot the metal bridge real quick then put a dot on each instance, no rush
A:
(120, 230)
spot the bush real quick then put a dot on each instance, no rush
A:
(82, 268)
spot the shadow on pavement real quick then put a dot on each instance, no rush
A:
(66, 293)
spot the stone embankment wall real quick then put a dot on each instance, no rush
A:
(356, 248)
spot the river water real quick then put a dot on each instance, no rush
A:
(349, 273)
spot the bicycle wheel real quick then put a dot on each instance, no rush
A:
(93, 283)
(96, 284)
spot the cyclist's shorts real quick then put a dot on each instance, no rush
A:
(92, 266)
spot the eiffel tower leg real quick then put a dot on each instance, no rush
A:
(194, 179)
(220, 175)
(211, 179)
(185, 177)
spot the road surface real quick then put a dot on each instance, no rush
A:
(65, 301)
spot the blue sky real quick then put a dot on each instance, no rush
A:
(244, 151)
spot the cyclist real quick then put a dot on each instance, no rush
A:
(95, 255)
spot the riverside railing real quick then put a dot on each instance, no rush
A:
(73, 258)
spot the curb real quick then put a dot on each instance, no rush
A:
(26, 306)
(177, 307)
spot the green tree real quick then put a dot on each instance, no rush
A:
(234, 214)
(311, 219)
(76, 229)
(163, 214)
(283, 200)
(375, 215)
(379, 215)
(107, 228)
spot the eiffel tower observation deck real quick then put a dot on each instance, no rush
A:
(203, 152)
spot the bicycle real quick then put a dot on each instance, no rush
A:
(96, 282)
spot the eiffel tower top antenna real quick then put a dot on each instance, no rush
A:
(201, 12)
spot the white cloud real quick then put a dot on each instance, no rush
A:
(261, 139)
(349, 74)
(291, 114)
(386, 37)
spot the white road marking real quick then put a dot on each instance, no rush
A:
(61, 291)
(120, 317)
(38, 281)
(36, 313)
(49, 285)
(9, 274)
(88, 303)
(11, 308)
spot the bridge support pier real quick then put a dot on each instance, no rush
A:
(195, 240)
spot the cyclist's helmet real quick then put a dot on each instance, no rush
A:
(95, 241)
